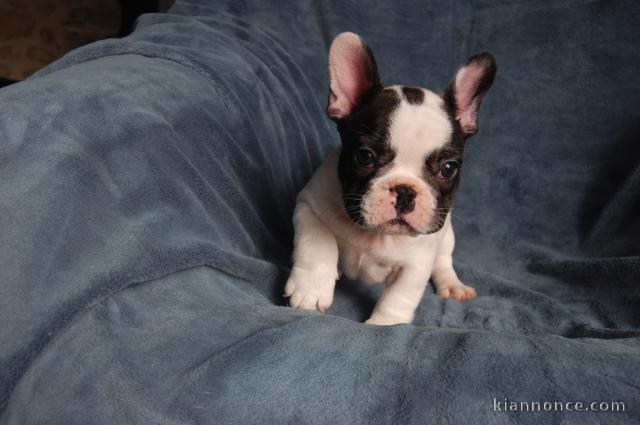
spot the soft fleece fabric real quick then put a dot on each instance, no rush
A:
(146, 192)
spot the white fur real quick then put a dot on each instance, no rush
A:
(383, 250)
(326, 239)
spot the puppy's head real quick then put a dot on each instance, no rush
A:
(401, 146)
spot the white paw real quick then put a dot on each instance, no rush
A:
(310, 289)
(387, 319)
(456, 290)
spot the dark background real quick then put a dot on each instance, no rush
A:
(34, 33)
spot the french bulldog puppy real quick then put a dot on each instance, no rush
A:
(378, 209)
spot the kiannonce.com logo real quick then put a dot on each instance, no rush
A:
(506, 405)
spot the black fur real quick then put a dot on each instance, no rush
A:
(452, 150)
(367, 126)
(413, 95)
(445, 189)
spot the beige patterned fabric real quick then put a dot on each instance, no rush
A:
(34, 33)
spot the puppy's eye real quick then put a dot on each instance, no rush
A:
(365, 157)
(448, 169)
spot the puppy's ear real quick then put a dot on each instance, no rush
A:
(353, 75)
(466, 91)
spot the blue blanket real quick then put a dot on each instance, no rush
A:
(146, 192)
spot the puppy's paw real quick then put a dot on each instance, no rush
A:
(379, 319)
(311, 289)
(456, 290)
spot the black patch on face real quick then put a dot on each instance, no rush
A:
(413, 95)
(445, 188)
(367, 127)
(450, 151)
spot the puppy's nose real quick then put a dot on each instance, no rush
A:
(405, 198)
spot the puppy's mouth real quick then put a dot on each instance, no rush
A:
(398, 226)
(395, 225)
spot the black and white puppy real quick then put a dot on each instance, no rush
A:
(378, 208)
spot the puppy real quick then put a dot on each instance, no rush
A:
(378, 209)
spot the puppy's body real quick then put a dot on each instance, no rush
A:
(323, 226)
(379, 207)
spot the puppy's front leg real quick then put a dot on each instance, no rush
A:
(444, 276)
(400, 298)
(315, 262)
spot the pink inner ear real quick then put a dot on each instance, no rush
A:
(466, 89)
(349, 73)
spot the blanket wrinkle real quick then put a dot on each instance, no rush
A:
(246, 339)
(149, 51)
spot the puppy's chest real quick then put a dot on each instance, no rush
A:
(380, 263)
